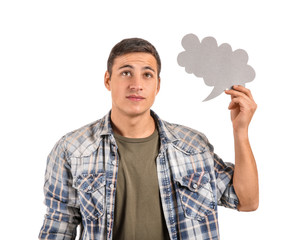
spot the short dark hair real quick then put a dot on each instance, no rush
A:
(131, 45)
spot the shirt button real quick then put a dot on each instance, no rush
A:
(111, 186)
(194, 185)
(109, 216)
(114, 162)
(89, 188)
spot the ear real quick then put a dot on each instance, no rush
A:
(159, 85)
(107, 80)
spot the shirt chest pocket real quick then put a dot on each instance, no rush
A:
(91, 191)
(196, 195)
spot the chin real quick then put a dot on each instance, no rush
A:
(136, 112)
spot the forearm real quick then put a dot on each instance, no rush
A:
(59, 226)
(245, 179)
(63, 215)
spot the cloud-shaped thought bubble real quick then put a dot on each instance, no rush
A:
(219, 66)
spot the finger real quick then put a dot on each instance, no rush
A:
(232, 105)
(243, 90)
(244, 103)
(235, 101)
(235, 93)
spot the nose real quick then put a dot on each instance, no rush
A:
(136, 83)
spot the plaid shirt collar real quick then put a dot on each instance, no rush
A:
(104, 128)
(167, 135)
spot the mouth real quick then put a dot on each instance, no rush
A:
(135, 98)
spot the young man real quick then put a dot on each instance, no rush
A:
(131, 175)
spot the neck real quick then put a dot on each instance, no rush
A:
(138, 126)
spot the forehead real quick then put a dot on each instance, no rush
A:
(136, 59)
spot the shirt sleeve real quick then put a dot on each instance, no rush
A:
(226, 195)
(63, 215)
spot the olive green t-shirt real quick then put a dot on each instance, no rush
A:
(138, 211)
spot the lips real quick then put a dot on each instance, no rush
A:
(135, 98)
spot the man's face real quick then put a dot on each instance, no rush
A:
(134, 83)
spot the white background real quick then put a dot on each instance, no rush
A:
(52, 62)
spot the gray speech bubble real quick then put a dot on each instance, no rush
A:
(219, 66)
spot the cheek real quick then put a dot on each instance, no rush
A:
(152, 93)
(117, 91)
(155, 89)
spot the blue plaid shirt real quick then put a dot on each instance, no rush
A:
(81, 179)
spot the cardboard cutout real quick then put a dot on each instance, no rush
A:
(219, 66)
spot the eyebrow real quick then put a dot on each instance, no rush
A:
(126, 66)
(130, 66)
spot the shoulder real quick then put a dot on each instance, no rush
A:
(80, 134)
(78, 141)
(184, 131)
(188, 138)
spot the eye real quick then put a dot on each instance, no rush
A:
(126, 74)
(148, 75)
